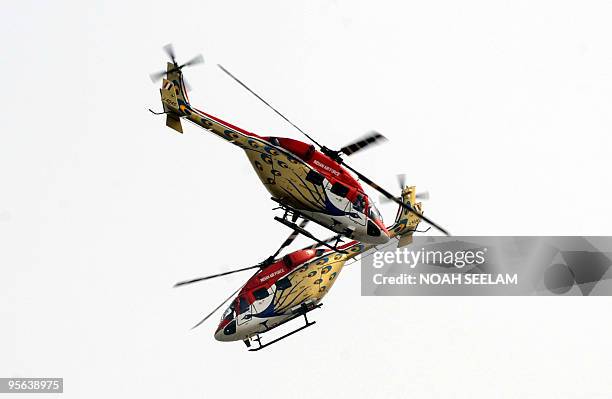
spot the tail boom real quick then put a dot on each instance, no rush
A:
(176, 106)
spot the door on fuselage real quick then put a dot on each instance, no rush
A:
(339, 194)
(243, 310)
(263, 296)
(358, 206)
(336, 193)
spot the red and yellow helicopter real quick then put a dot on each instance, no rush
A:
(290, 287)
(308, 183)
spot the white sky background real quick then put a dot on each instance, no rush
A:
(500, 109)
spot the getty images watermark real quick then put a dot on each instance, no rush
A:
(491, 266)
(410, 258)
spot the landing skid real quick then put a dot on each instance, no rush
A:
(295, 214)
(306, 325)
(308, 234)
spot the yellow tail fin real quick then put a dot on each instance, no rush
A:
(406, 222)
(174, 98)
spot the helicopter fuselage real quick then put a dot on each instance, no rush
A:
(278, 292)
(305, 180)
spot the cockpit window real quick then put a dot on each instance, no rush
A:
(359, 203)
(374, 214)
(229, 312)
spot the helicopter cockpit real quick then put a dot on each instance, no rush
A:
(229, 313)
(374, 213)
(359, 204)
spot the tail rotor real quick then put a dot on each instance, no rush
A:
(401, 181)
(169, 50)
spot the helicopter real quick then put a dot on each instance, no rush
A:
(290, 287)
(306, 182)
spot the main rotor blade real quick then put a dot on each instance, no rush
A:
(286, 243)
(370, 139)
(195, 280)
(270, 106)
(290, 239)
(397, 200)
(217, 308)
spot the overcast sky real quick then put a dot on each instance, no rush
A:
(501, 110)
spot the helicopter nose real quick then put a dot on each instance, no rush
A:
(226, 332)
(377, 233)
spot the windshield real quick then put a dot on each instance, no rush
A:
(359, 203)
(374, 213)
(229, 312)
